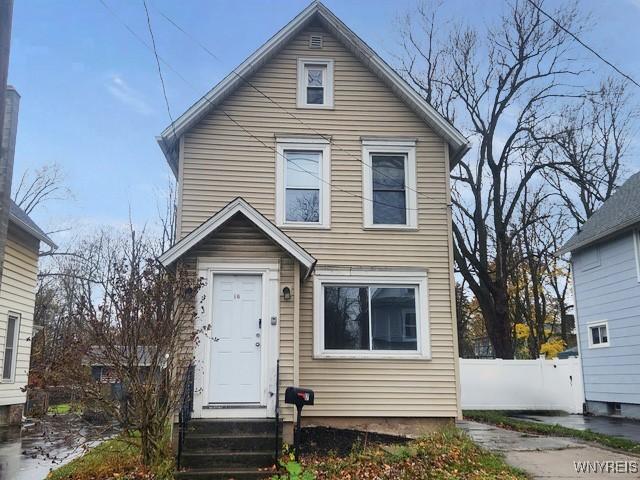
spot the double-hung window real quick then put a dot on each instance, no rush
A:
(598, 334)
(302, 183)
(371, 314)
(315, 83)
(389, 184)
(10, 347)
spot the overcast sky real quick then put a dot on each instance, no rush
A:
(91, 97)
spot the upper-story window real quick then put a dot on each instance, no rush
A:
(315, 83)
(389, 176)
(302, 183)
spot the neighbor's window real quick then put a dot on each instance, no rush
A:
(302, 197)
(315, 83)
(390, 198)
(10, 346)
(598, 335)
(369, 318)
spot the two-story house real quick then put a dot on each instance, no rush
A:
(313, 197)
(605, 256)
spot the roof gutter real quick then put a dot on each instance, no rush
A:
(31, 231)
(568, 248)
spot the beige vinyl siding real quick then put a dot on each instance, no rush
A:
(239, 238)
(220, 161)
(17, 295)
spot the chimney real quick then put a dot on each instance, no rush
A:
(9, 131)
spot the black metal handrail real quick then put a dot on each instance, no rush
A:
(186, 407)
(277, 411)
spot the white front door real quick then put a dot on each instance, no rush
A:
(235, 373)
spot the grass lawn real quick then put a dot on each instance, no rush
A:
(112, 459)
(61, 409)
(501, 419)
(447, 454)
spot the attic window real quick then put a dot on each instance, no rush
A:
(315, 41)
(315, 83)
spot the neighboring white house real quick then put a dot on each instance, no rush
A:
(606, 271)
(17, 290)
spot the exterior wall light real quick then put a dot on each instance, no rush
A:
(286, 293)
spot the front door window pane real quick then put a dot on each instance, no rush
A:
(389, 192)
(346, 318)
(389, 308)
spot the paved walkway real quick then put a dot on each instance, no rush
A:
(618, 427)
(553, 457)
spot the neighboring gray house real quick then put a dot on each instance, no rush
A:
(606, 273)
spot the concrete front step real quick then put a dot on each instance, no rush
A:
(224, 474)
(232, 426)
(202, 460)
(243, 442)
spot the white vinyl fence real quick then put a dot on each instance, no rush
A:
(521, 384)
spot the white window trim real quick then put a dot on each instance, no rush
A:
(14, 353)
(314, 145)
(302, 84)
(407, 148)
(373, 278)
(600, 323)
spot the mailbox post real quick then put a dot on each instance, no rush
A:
(298, 397)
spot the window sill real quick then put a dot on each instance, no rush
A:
(316, 107)
(289, 226)
(370, 356)
(600, 345)
(391, 228)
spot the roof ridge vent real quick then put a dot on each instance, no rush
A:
(315, 40)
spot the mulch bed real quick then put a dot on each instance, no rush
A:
(324, 440)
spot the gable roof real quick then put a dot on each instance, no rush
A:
(239, 205)
(619, 212)
(24, 222)
(316, 11)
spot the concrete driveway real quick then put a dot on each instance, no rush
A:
(558, 458)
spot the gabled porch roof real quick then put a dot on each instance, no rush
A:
(239, 205)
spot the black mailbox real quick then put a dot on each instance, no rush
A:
(298, 396)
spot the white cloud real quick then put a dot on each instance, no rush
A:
(127, 95)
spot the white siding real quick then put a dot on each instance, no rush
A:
(17, 294)
(220, 161)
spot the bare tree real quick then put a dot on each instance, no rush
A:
(45, 184)
(590, 143)
(137, 319)
(505, 87)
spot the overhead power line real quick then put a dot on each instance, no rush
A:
(286, 110)
(252, 135)
(155, 54)
(577, 39)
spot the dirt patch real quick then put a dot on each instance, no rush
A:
(324, 440)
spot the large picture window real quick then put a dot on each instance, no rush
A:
(389, 184)
(303, 171)
(371, 315)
